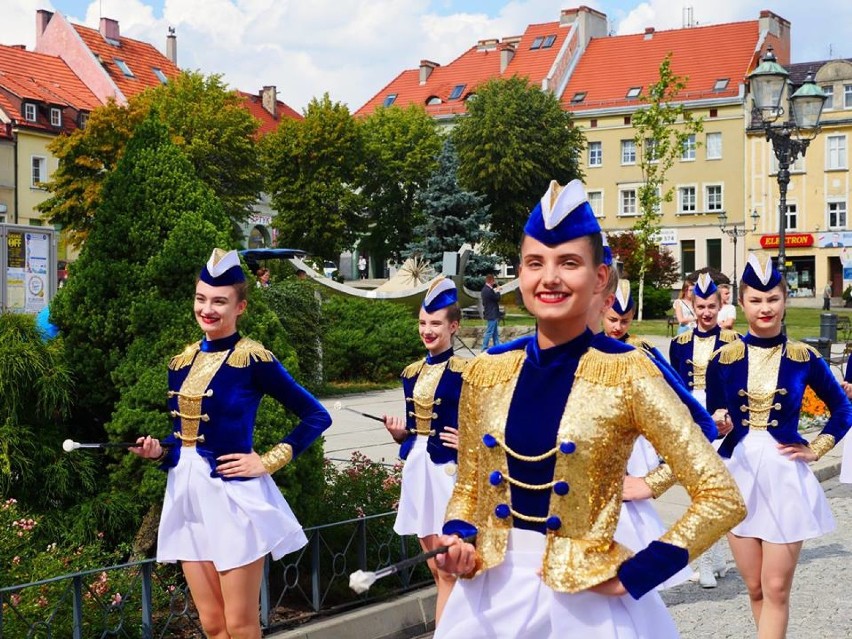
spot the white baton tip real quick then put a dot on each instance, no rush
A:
(338, 405)
(68, 445)
(360, 581)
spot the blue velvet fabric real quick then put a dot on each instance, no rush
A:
(580, 222)
(442, 300)
(725, 381)
(681, 354)
(447, 412)
(517, 344)
(651, 566)
(232, 407)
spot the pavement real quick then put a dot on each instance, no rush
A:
(820, 600)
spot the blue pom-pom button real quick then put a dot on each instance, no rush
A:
(561, 488)
(553, 523)
(567, 447)
(502, 511)
(489, 440)
(496, 478)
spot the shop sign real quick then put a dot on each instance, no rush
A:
(791, 240)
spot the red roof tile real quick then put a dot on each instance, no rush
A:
(45, 80)
(268, 123)
(472, 68)
(142, 58)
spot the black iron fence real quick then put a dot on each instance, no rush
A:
(144, 600)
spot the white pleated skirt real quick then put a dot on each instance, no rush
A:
(425, 492)
(643, 458)
(510, 601)
(784, 500)
(230, 523)
(846, 464)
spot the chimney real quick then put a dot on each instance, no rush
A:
(775, 30)
(21, 47)
(649, 33)
(171, 46)
(590, 22)
(487, 44)
(507, 52)
(426, 68)
(43, 17)
(109, 29)
(269, 98)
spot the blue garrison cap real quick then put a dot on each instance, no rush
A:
(623, 299)
(563, 214)
(223, 269)
(760, 273)
(705, 286)
(441, 294)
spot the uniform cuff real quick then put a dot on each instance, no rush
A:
(277, 457)
(822, 444)
(460, 528)
(650, 567)
(660, 480)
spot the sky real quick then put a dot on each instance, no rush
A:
(351, 49)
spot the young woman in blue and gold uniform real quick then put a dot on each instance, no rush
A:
(222, 512)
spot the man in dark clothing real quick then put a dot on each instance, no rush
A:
(490, 311)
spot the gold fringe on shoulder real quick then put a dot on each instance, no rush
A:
(800, 352)
(732, 352)
(458, 364)
(412, 370)
(246, 351)
(684, 338)
(612, 369)
(489, 370)
(185, 358)
(728, 336)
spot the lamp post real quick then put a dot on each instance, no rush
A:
(791, 136)
(734, 233)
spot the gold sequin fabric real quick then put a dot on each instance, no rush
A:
(424, 396)
(193, 390)
(762, 386)
(822, 444)
(277, 457)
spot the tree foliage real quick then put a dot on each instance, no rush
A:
(662, 127)
(661, 270)
(312, 167)
(514, 140)
(204, 119)
(400, 151)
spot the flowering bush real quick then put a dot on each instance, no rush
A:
(362, 487)
(814, 412)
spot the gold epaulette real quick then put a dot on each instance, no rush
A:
(489, 370)
(728, 336)
(613, 369)
(684, 338)
(185, 358)
(458, 364)
(246, 351)
(412, 370)
(640, 342)
(800, 352)
(731, 353)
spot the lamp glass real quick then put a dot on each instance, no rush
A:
(807, 108)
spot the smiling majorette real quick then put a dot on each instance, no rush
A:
(756, 385)
(429, 432)
(222, 512)
(544, 436)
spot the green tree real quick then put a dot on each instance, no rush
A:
(312, 166)
(514, 140)
(400, 148)
(662, 129)
(452, 216)
(204, 118)
(661, 267)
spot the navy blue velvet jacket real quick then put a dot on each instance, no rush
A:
(445, 411)
(681, 354)
(225, 394)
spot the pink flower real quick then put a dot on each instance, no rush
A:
(116, 599)
(16, 560)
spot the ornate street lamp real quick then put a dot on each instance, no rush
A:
(735, 232)
(790, 137)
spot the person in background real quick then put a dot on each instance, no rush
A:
(684, 313)
(728, 312)
(362, 267)
(490, 311)
(263, 277)
(826, 297)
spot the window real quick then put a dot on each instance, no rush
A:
(628, 152)
(721, 84)
(55, 116)
(457, 91)
(651, 150)
(596, 202)
(714, 253)
(835, 146)
(29, 112)
(792, 219)
(847, 96)
(627, 120)
(828, 90)
(714, 146)
(578, 97)
(160, 75)
(627, 204)
(39, 171)
(595, 153)
(837, 215)
(536, 44)
(798, 165)
(688, 150)
(124, 68)
(548, 42)
(714, 113)
(713, 198)
(433, 100)
(84, 119)
(633, 92)
(390, 98)
(687, 257)
(593, 123)
(686, 200)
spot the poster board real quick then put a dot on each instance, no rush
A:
(28, 271)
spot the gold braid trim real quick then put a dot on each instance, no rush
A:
(412, 370)
(489, 370)
(639, 342)
(615, 369)
(185, 358)
(684, 338)
(728, 336)
(458, 364)
(277, 457)
(799, 352)
(822, 444)
(731, 353)
(246, 351)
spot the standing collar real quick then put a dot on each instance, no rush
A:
(222, 344)
(440, 358)
(569, 350)
(713, 331)
(764, 342)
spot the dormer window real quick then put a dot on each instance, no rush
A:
(55, 117)
(548, 42)
(721, 84)
(83, 119)
(30, 112)
(633, 92)
(536, 44)
(160, 75)
(578, 97)
(433, 100)
(390, 98)
(456, 93)
(124, 68)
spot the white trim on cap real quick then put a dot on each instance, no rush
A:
(764, 270)
(438, 286)
(622, 293)
(569, 198)
(704, 282)
(220, 262)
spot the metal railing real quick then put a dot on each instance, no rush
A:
(144, 600)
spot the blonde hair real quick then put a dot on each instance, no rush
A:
(611, 281)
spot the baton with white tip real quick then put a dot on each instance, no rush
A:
(340, 406)
(70, 445)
